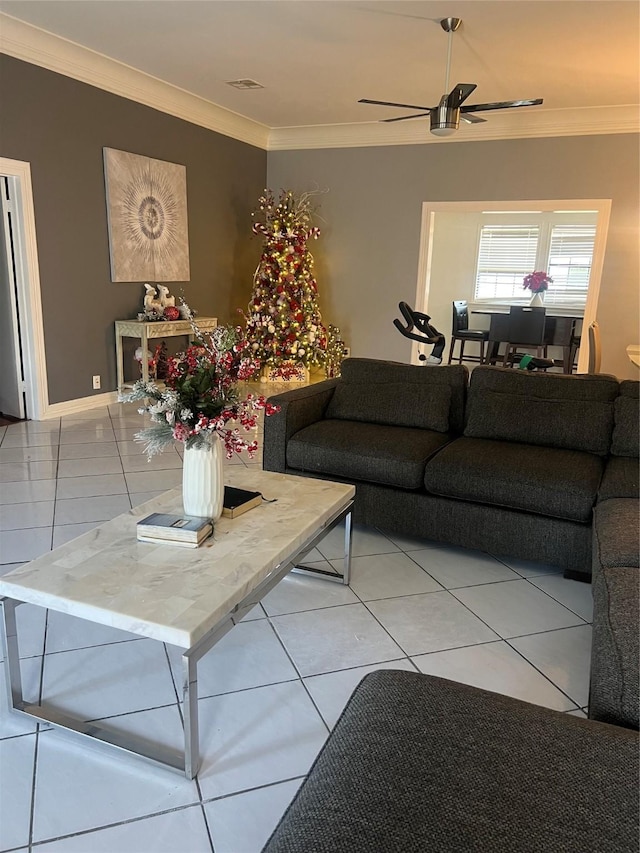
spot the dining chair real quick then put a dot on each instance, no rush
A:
(526, 331)
(460, 331)
(595, 350)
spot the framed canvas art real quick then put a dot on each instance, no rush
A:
(147, 218)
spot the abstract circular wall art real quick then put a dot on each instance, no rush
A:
(147, 218)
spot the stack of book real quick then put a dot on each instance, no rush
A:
(164, 529)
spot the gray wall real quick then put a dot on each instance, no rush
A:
(60, 127)
(367, 255)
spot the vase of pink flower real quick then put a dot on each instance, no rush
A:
(537, 282)
(202, 407)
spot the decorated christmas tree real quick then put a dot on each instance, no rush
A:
(284, 325)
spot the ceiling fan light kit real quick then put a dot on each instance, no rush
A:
(444, 119)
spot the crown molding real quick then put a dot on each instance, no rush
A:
(39, 47)
(510, 124)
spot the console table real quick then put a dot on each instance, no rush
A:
(144, 331)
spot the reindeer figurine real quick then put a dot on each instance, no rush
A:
(151, 304)
(166, 300)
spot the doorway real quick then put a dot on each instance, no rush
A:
(23, 382)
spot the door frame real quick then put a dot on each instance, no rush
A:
(431, 208)
(28, 289)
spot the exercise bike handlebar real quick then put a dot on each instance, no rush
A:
(418, 321)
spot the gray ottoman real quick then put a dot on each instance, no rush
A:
(418, 764)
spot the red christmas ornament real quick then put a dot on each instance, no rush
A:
(171, 312)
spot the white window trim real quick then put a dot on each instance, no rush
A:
(431, 208)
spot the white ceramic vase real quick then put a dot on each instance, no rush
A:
(203, 480)
(537, 300)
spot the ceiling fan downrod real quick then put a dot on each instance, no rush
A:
(445, 120)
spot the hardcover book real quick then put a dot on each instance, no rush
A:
(180, 529)
(237, 501)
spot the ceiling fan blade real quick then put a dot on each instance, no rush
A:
(404, 118)
(470, 118)
(459, 93)
(500, 105)
(391, 104)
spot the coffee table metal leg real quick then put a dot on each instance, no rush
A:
(190, 712)
(13, 679)
(348, 539)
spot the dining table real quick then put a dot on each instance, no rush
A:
(561, 330)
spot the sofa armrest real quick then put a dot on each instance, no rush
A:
(299, 408)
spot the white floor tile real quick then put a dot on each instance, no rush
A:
(97, 413)
(30, 439)
(231, 832)
(160, 462)
(95, 450)
(65, 632)
(21, 493)
(63, 533)
(127, 433)
(515, 608)
(528, 568)
(102, 681)
(21, 516)
(11, 724)
(5, 568)
(138, 498)
(103, 466)
(335, 638)
(250, 655)
(496, 667)
(89, 487)
(575, 595)
(456, 567)
(98, 424)
(563, 656)
(388, 576)
(31, 621)
(49, 453)
(52, 425)
(86, 436)
(365, 541)
(407, 543)
(21, 546)
(331, 691)
(578, 713)
(297, 592)
(75, 510)
(16, 779)
(256, 737)
(80, 787)
(129, 447)
(14, 472)
(429, 623)
(150, 481)
(174, 832)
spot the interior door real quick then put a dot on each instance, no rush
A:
(12, 398)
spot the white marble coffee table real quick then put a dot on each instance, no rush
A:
(184, 597)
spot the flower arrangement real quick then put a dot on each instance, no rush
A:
(537, 281)
(201, 397)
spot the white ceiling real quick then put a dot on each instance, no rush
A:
(316, 58)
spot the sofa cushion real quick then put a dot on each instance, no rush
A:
(393, 456)
(544, 480)
(419, 764)
(615, 681)
(616, 532)
(383, 392)
(621, 479)
(626, 432)
(551, 410)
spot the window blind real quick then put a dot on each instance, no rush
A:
(506, 253)
(570, 257)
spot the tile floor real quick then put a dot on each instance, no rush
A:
(273, 687)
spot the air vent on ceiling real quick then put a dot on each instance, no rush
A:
(244, 84)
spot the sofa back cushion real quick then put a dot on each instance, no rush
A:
(385, 392)
(552, 410)
(626, 431)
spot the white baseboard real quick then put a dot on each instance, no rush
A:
(82, 404)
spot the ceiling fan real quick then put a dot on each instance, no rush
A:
(445, 118)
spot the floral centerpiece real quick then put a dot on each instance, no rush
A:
(201, 395)
(202, 407)
(537, 282)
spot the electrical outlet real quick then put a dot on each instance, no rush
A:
(96, 383)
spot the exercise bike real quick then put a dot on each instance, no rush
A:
(418, 328)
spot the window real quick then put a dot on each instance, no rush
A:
(548, 241)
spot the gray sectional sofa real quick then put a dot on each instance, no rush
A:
(519, 464)
(536, 466)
